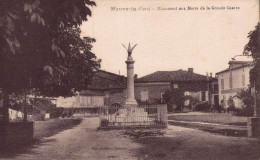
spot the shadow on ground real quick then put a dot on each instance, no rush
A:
(39, 139)
(180, 143)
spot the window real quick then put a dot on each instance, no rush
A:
(230, 82)
(243, 80)
(175, 85)
(144, 95)
(203, 96)
(215, 87)
(224, 101)
(162, 97)
(222, 84)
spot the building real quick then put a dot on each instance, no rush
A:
(232, 80)
(109, 85)
(213, 92)
(153, 86)
(106, 89)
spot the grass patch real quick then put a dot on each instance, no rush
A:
(227, 131)
(220, 118)
(52, 127)
(42, 129)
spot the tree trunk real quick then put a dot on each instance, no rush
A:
(5, 106)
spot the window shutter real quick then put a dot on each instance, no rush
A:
(222, 84)
(243, 80)
(230, 82)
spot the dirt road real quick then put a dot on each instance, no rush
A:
(86, 142)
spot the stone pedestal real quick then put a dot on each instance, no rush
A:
(257, 112)
(133, 116)
(15, 134)
(130, 100)
(253, 126)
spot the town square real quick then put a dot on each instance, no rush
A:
(170, 80)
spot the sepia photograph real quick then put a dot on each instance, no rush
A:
(130, 79)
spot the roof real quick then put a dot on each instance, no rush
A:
(100, 72)
(91, 93)
(103, 83)
(239, 62)
(107, 80)
(168, 76)
(236, 65)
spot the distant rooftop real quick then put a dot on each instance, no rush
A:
(236, 64)
(168, 76)
(239, 62)
(103, 80)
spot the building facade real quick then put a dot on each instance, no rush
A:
(232, 80)
(153, 86)
(214, 92)
(106, 89)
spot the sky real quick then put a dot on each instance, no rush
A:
(171, 39)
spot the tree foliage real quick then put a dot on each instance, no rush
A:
(174, 97)
(231, 105)
(40, 42)
(41, 47)
(246, 97)
(252, 49)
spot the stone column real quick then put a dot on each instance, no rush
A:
(130, 99)
(254, 122)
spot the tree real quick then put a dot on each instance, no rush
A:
(41, 48)
(174, 97)
(247, 108)
(252, 49)
(246, 97)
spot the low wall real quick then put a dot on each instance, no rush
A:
(253, 125)
(133, 116)
(16, 134)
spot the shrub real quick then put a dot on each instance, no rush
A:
(218, 108)
(245, 111)
(187, 108)
(104, 122)
(246, 97)
(39, 117)
(149, 102)
(174, 97)
(231, 108)
(56, 112)
(231, 105)
(203, 107)
(171, 107)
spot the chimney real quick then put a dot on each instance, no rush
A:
(190, 70)
(135, 77)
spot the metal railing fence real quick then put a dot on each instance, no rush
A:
(142, 115)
